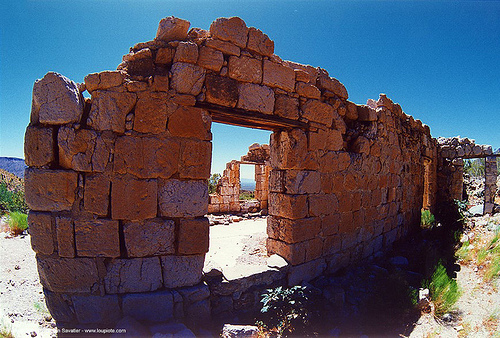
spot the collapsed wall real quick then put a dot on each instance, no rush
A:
(117, 184)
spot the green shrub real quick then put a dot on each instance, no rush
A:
(247, 195)
(289, 310)
(444, 290)
(212, 183)
(427, 219)
(474, 167)
(12, 200)
(18, 222)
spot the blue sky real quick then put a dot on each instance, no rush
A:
(439, 59)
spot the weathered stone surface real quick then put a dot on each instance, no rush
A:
(65, 237)
(109, 110)
(151, 306)
(56, 100)
(172, 28)
(221, 90)
(196, 158)
(245, 69)
(150, 237)
(97, 238)
(288, 206)
(68, 274)
(59, 306)
(146, 157)
(151, 112)
(306, 272)
(233, 331)
(83, 150)
(326, 82)
(187, 78)
(286, 106)
(302, 182)
(225, 47)
(133, 275)
(307, 90)
(289, 151)
(190, 122)
(361, 145)
(322, 204)
(38, 146)
(50, 190)
(329, 139)
(180, 271)
(193, 236)
(194, 293)
(366, 113)
(103, 80)
(96, 194)
(210, 58)
(317, 111)
(178, 198)
(133, 199)
(259, 42)
(256, 97)
(41, 232)
(230, 29)
(91, 309)
(277, 75)
(186, 52)
(165, 56)
(293, 231)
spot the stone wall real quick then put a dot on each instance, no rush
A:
(452, 152)
(117, 183)
(226, 199)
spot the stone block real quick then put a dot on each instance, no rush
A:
(287, 107)
(187, 78)
(225, 47)
(245, 69)
(289, 150)
(96, 194)
(302, 182)
(332, 245)
(109, 110)
(198, 313)
(151, 237)
(280, 76)
(193, 236)
(38, 146)
(186, 51)
(151, 112)
(366, 113)
(60, 306)
(65, 237)
(255, 97)
(172, 28)
(50, 190)
(91, 309)
(329, 139)
(306, 272)
(330, 224)
(76, 150)
(293, 231)
(146, 157)
(328, 83)
(178, 198)
(210, 58)
(317, 111)
(165, 56)
(41, 232)
(351, 111)
(103, 80)
(221, 90)
(308, 90)
(190, 122)
(288, 206)
(180, 271)
(68, 274)
(97, 238)
(259, 42)
(143, 67)
(230, 29)
(322, 204)
(133, 199)
(195, 293)
(293, 253)
(133, 275)
(151, 306)
(56, 100)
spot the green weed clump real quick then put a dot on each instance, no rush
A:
(12, 199)
(427, 219)
(444, 290)
(18, 222)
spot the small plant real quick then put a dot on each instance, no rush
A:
(462, 210)
(427, 219)
(463, 253)
(443, 289)
(247, 195)
(5, 331)
(212, 183)
(18, 222)
(288, 310)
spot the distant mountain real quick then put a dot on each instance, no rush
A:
(13, 165)
(247, 184)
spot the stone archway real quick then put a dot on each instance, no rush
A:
(117, 184)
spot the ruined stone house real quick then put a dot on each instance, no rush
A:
(117, 183)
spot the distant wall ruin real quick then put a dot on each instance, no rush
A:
(117, 184)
